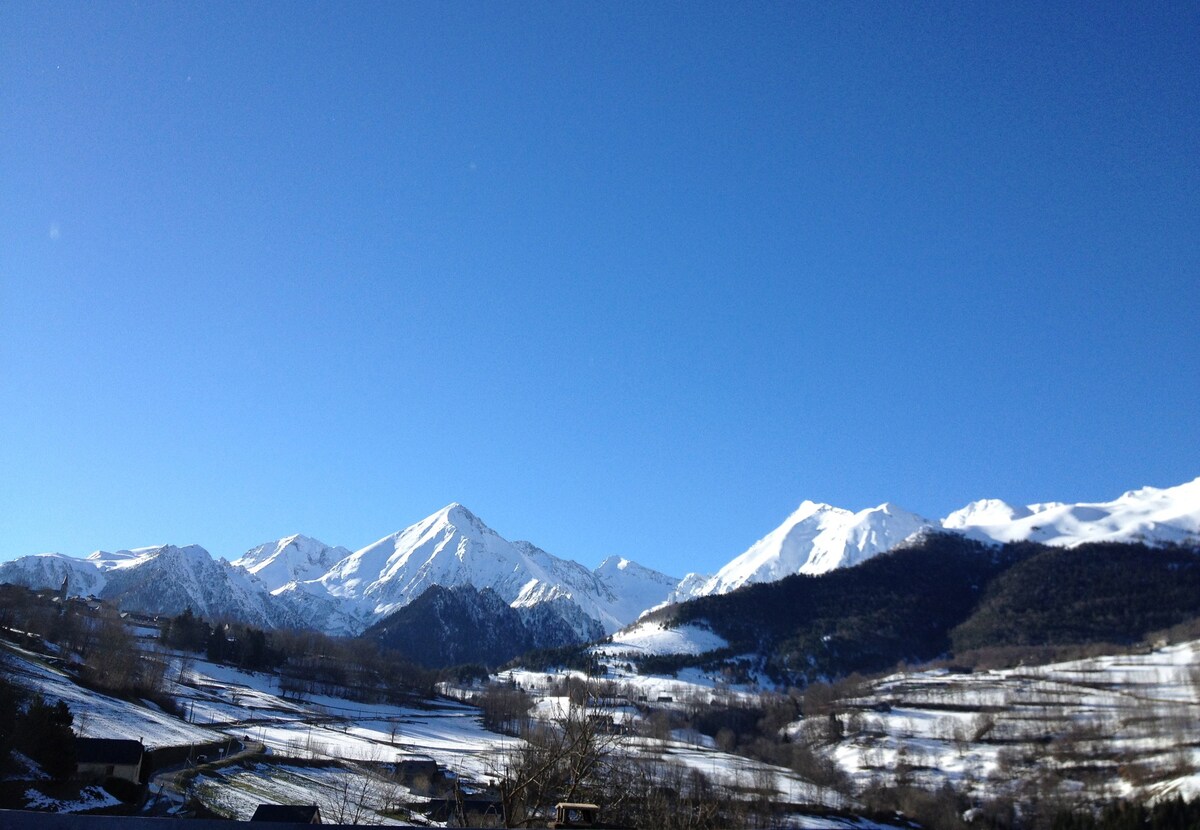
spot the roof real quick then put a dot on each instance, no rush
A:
(296, 813)
(107, 751)
(572, 805)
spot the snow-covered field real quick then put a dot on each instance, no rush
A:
(1116, 726)
(97, 715)
(1106, 727)
(654, 638)
(345, 796)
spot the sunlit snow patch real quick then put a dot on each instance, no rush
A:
(654, 638)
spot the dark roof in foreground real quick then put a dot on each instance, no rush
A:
(107, 751)
(29, 820)
(296, 813)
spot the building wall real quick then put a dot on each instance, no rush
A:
(129, 772)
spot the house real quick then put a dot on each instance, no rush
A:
(100, 758)
(411, 770)
(292, 813)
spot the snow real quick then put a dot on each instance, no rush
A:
(633, 588)
(291, 559)
(98, 715)
(1186, 787)
(343, 795)
(1132, 716)
(454, 547)
(655, 638)
(1148, 514)
(301, 582)
(90, 798)
(818, 538)
(1111, 716)
(815, 539)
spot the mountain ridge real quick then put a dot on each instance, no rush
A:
(298, 581)
(817, 538)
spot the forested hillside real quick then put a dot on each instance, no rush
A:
(942, 596)
(1115, 593)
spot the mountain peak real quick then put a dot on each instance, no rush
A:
(811, 508)
(293, 558)
(614, 563)
(459, 516)
(816, 538)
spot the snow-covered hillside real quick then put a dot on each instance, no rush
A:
(649, 638)
(817, 538)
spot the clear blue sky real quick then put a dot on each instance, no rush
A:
(623, 278)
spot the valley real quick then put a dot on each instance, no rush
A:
(859, 672)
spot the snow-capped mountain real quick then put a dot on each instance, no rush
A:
(635, 587)
(49, 570)
(1149, 514)
(815, 539)
(454, 547)
(298, 581)
(161, 579)
(170, 579)
(302, 582)
(818, 537)
(290, 559)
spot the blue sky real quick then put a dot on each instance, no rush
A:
(622, 278)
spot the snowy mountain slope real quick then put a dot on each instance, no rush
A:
(818, 538)
(1149, 514)
(170, 579)
(162, 579)
(313, 607)
(48, 570)
(644, 638)
(302, 582)
(636, 587)
(291, 559)
(815, 539)
(454, 547)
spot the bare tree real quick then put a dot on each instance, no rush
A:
(361, 794)
(561, 760)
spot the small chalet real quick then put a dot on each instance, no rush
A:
(100, 758)
(292, 813)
